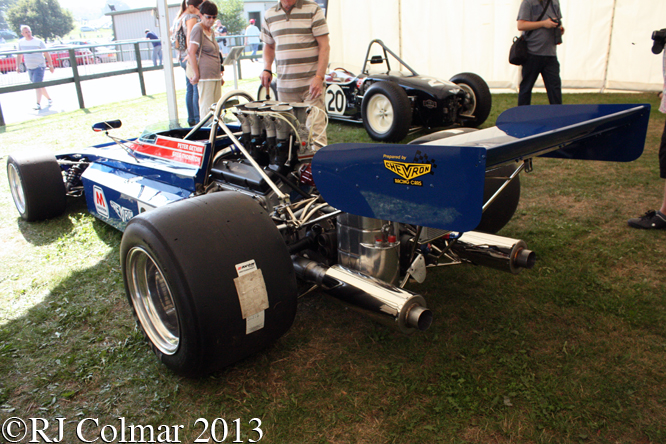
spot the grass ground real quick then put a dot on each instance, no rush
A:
(572, 351)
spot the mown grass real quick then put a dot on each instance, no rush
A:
(571, 351)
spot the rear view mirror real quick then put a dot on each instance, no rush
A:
(374, 60)
(107, 125)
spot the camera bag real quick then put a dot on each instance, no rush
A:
(518, 51)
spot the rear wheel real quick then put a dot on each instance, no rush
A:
(37, 186)
(189, 276)
(479, 100)
(65, 63)
(386, 111)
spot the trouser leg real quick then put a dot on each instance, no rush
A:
(662, 155)
(530, 72)
(552, 81)
(209, 94)
(191, 99)
(316, 120)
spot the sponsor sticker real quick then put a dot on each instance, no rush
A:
(177, 150)
(408, 172)
(125, 214)
(252, 295)
(101, 205)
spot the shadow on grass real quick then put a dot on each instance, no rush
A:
(49, 231)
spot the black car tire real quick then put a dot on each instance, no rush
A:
(65, 63)
(481, 99)
(37, 185)
(179, 269)
(500, 212)
(386, 112)
(261, 92)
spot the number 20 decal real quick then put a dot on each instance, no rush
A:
(336, 102)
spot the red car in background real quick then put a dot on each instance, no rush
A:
(8, 63)
(60, 57)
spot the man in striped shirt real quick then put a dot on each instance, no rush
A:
(295, 36)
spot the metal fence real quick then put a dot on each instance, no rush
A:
(78, 63)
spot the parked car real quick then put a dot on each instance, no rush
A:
(105, 54)
(101, 54)
(8, 63)
(87, 29)
(390, 97)
(221, 223)
(61, 57)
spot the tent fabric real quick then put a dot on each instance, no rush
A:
(607, 43)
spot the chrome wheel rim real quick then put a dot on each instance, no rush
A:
(380, 113)
(16, 186)
(153, 301)
(471, 105)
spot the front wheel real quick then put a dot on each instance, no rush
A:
(210, 281)
(37, 185)
(387, 112)
(478, 102)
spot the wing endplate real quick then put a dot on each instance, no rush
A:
(432, 186)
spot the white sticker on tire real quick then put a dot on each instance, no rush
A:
(252, 295)
(254, 323)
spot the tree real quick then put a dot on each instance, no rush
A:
(231, 14)
(4, 6)
(45, 17)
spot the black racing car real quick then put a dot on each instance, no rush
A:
(390, 101)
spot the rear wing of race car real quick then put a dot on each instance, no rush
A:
(440, 184)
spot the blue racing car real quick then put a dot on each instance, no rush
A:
(226, 223)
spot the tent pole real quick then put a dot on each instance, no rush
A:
(400, 27)
(608, 53)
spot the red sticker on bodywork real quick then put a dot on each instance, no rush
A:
(177, 150)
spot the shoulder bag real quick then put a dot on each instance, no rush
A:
(189, 71)
(518, 52)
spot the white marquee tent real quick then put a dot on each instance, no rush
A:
(607, 43)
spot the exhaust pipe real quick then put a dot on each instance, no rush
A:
(498, 252)
(385, 303)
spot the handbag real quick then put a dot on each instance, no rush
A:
(189, 71)
(180, 41)
(518, 52)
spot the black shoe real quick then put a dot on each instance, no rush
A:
(652, 220)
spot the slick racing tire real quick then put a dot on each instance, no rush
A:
(37, 185)
(479, 101)
(500, 212)
(187, 266)
(272, 94)
(386, 112)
